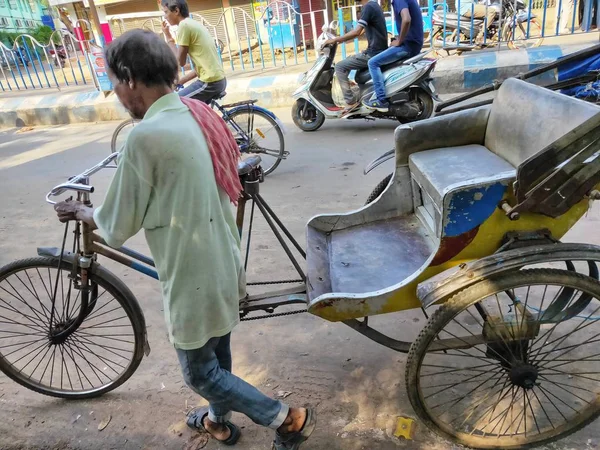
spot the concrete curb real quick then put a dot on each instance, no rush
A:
(452, 75)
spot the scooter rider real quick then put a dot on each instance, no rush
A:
(372, 22)
(409, 42)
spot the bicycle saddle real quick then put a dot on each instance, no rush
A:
(245, 166)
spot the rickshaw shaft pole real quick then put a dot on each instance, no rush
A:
(268, 217)
(249, 236)
(282, 227)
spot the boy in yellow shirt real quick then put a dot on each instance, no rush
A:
(194, 40)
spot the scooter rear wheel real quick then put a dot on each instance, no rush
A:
(426, 106)
(299, 112)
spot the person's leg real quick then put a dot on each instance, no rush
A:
(482, 12)
(342, 70)
(489, 14)
(566, 16)
(388, 56)
(226, 392)
(205, 92)
(194, 88)
(223, 354)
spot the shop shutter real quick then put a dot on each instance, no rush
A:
(306, 6)
(242, 9)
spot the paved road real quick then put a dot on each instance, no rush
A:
(356, 385)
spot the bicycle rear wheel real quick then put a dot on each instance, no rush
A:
(98, 356)
(265, 137)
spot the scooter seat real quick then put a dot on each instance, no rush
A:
(363, 76)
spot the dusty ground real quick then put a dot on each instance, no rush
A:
(356, 385)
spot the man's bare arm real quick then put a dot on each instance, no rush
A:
(180, 52)
(187, 77)
(356, 32)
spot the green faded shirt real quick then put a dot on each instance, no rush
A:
(165, 184)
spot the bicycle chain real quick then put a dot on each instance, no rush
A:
(264, 283)
(268, 316)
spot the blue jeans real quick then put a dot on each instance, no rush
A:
(207, 371)
(388, 56)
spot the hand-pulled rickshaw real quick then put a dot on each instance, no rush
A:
(468, 227)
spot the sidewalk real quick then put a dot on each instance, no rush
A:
(273, 87)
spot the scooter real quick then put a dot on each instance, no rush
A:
(408, 85)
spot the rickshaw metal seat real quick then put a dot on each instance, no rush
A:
(368, 257)
(438, 170)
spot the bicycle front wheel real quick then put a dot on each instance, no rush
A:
(259, 134)
(95, 358)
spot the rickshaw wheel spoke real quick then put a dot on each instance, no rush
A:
(533, 375)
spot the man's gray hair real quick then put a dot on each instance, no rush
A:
(142, 56)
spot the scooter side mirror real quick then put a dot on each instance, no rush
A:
(330, 28)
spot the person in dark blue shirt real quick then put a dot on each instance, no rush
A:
(372, 22)
(408, 43)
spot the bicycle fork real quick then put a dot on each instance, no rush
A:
(61, 328)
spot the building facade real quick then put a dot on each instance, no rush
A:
(20, 16)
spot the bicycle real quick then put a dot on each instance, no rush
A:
(255, 129)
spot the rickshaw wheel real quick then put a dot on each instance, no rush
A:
(375, 193)
(510, 362)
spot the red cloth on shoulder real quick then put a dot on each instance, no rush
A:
(223, 149)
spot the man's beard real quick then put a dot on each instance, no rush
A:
(134, 115)
(136, 108)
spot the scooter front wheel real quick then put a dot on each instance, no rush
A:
(306, 116)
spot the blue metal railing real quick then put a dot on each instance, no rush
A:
(279, 34)
(29, 64)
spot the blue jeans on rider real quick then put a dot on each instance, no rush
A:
(207, 371)
(388, 56)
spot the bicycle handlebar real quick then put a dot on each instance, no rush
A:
(78, 183)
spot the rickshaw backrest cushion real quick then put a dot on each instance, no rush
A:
(525, 118)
